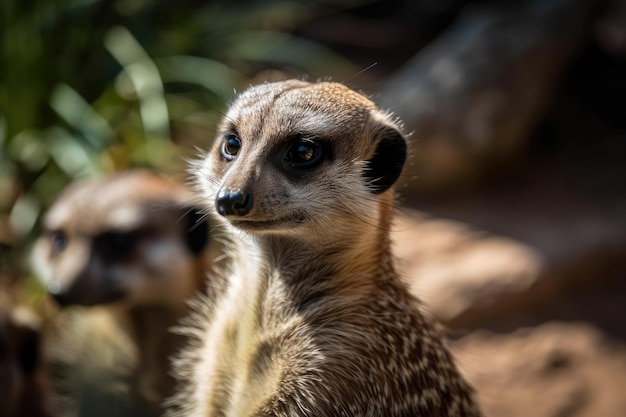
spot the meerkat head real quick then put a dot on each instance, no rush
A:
(293, 155)
(129, 238)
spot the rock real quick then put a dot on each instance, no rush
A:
(553, 370)
(473, 95)
(456, 269)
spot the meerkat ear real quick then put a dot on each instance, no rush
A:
(384, 168)
(196, 231)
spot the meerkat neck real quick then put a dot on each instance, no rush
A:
(359, 249)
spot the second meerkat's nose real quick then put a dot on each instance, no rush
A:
(233, 202)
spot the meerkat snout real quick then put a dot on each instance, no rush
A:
(234, 202)
(62, 298)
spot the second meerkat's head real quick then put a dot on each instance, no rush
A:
(129, 238)
(293, 154)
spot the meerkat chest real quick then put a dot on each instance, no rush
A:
(244, 361)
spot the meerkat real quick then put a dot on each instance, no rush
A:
(121, 255)
(315, 320)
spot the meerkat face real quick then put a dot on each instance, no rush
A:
(295, 154)
(128, 238)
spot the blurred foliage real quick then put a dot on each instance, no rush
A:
(97, 86)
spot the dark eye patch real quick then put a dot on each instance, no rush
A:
(118, 246)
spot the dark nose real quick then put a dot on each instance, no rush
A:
(62, 298)
(233, 202)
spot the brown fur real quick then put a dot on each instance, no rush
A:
(315, 320)
(112, 348)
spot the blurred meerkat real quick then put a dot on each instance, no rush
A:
(315, 320)
(126, 252)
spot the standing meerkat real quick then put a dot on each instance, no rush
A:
(122, 255)
(315, 320)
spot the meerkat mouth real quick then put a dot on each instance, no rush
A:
(268, 225)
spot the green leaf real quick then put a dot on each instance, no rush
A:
(79, 114)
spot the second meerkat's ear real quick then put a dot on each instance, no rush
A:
(384, 168)
(197, 230)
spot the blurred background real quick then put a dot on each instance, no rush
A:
(512, 219)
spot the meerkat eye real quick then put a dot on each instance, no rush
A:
(304, 153)
(231, 144)
(58, 241)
